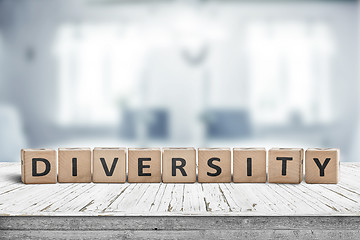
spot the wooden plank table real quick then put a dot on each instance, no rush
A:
(234, 210)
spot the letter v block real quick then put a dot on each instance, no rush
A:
(179, 165)
(38, 166)
(214, 165)
(109, 165)
(74, 165)
(144, 165)
(322, 165)
(285, 165)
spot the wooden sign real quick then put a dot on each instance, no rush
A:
(178, 165)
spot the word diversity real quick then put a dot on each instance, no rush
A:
(108, 165)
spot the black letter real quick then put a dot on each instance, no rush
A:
(284, 159)
(322, 168)
(249, 167)
(74, 167)
(181, 167)
(34, 167)
(141, 166)
(107, 172)
(218, 169)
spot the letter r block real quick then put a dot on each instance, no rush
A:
(38, 166)
(322, 165)
(74, 165)
(285, 165)
(179, 165)
(109, 165)
(144, 165)
(214, 165)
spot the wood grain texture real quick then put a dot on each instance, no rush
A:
(150, 159)
(49, 157)
(255, 170)
(168, 199)
(188, 155)
(285, 171)
(220, 158)
(115, 165)
(74, 165)
(328, 173)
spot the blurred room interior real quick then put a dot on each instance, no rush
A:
(202, 73)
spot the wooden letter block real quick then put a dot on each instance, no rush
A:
(249, 165)
(322, 165)
(285, 165)
(74, 165)
(144, 165)
(109, 165)
(214, 165)
(179, 165)
(38, 166)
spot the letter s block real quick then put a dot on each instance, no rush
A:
(109, 165)
(179, 165)
(285, 165)
(144, 165)
(38, 166)
(74, 165)
(322, 165)
(214, 165)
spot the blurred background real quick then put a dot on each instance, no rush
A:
(202, 73)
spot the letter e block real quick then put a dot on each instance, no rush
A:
(74, 165)
(179, 165)
(144, 165)
(249, 165)
(38, 166)
(109, 165)
(214, 165)
(285, 165)
(322, 165)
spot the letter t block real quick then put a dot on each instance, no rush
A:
(285, 165)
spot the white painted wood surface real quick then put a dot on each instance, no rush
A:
(160, 199)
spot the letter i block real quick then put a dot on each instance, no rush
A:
(144, 165)
(322, 165)
(109, 165)
(74, 165)
(179, 165)
(285, 165)
(38, 166)
(214, 165)
(249, 165)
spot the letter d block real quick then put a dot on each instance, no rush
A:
(38, 166)
(214, 165)
(144, 165)
(322, 165)
(109, 165)
(74, 165)
(179, 165)
(285, 165)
